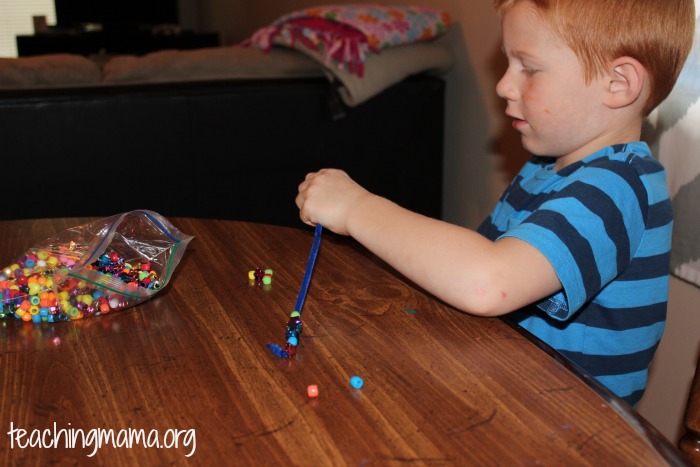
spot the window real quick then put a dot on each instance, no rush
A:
(16, 19)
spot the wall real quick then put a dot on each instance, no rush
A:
(482, 154)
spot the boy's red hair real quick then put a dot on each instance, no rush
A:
(657, 33)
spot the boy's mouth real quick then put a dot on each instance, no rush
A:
(518, 123)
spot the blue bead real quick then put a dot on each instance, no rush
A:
(356, 382)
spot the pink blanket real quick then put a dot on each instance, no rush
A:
(346, 34)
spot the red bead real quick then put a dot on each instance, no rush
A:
(290, 349)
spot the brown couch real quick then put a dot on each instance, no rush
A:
(207, 136)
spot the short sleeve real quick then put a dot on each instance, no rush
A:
(588, 228)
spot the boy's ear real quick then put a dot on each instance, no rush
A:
(627, 80)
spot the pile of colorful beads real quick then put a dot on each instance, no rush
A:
(38, 288)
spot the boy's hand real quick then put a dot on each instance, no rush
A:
(328, 197)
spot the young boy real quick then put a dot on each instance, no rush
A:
(577, 247)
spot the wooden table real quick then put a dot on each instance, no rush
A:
(441, 387)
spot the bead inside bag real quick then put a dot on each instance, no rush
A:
(140, 274)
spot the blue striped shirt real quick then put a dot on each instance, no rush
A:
(605, 224)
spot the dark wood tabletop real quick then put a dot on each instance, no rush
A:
(190, 369)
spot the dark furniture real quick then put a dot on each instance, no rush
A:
(221, 149)
(690, 442)
(440, 387)
(134, 42)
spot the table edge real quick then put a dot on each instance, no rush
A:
(654, 437)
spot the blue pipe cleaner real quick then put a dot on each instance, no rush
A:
(309, 269)
(294, 324)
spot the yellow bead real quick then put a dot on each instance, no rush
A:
(34, 288)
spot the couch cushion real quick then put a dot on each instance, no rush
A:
(48, 70)
(210, 63)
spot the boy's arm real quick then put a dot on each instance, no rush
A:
(455, 264)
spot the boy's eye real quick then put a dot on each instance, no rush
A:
(529, 70)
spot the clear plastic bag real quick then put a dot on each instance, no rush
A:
(100, 267)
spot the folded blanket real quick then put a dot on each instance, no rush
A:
(384, 70)
(367, 48)
(345, 34)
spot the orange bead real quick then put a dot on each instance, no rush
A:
(312, 390)
(27, 317)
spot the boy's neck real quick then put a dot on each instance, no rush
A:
(628, 133)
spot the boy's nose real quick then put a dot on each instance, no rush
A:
(505, 88)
